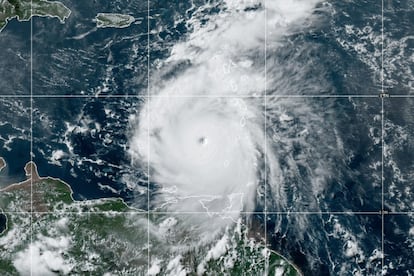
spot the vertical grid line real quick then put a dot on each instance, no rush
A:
(31, 136)
(382, 185)
(265, 137)
(382, 137)
(148, 137)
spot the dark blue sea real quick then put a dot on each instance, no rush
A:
(88, 82)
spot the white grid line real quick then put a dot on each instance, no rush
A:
(265, 139)
(382, 185)
(31, 135)
(148, 137)
(201, 96)
(382, 138)
(350, 213)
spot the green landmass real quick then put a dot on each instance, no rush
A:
(64, 236)
(23, 10)
(113, 20)
(47, 194)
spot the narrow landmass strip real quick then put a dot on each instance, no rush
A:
(44, 223)
(23, 10)
(113, 20)
(48, 194)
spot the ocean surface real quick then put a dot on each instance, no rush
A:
(324, 120)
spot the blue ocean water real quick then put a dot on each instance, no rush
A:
(93, 132)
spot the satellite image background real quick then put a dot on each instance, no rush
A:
(206, 137)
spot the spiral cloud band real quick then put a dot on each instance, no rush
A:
(202, 132)
(203, 151)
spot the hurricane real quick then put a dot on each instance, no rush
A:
(207, 137)
(202, 130)
(230, 128)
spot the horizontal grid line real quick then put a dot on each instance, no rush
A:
(214, 213)
(203, 96)
(401, 96)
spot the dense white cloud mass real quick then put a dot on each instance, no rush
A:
(204, 149)
(202, 132)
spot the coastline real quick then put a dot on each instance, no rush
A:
(33, 178)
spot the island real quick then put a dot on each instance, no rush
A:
(24, 10)
(2, 163)
(113, 20)
(61, 235)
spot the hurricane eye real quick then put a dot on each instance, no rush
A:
(202, 141)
